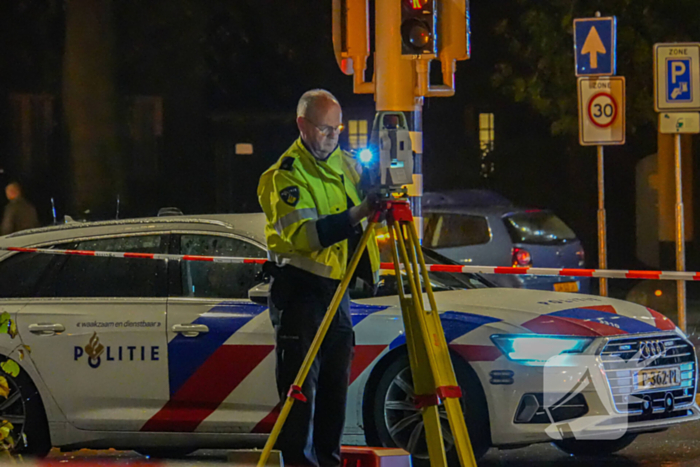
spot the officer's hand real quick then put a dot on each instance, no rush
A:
(367, 208)
(374, 199)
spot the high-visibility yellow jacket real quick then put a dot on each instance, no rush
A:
(299, 191)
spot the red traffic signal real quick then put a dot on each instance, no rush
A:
(418, 4)
(418, 27)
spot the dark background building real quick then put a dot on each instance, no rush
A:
(174, 86)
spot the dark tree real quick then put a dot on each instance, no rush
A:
(539, 67)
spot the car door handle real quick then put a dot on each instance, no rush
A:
(46, 329)
(190, 330)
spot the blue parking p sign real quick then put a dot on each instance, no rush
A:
(679, 76)
(595, 44)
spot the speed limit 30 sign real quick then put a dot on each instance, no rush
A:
(601, 107)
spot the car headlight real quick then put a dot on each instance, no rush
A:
(536, 350)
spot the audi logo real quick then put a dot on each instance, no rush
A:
(652, 349)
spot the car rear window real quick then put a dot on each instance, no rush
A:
(455, 230)
(86, 276)
(538, 227)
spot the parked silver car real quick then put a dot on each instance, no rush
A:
(504, 235)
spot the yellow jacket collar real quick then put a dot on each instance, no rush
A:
(334, 160)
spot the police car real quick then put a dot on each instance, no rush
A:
(166, 357)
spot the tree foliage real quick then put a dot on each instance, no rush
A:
(539, 65)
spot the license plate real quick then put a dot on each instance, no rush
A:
(566, 287)
(661, 378)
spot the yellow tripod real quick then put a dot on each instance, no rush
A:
(433, 375)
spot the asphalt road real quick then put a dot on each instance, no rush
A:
(676, 447)
(679, 446)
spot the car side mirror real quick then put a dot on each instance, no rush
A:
(259, 293)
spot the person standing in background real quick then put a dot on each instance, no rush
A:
(19, 213)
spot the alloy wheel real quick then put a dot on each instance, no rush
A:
(404, 420)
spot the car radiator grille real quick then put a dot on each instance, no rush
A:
(618, 359)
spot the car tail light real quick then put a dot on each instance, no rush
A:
(521, 257)
(581, 258)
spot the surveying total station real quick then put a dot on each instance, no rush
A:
(389, 166)
(433, 375)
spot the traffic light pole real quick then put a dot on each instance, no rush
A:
(395, 89)
(416, 192)
(395, 77)
(409, 35)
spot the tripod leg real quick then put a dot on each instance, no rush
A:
(447, 376)
(458, 426)
(419, 356)
(404, 301)
(411, 250)
(316, 344)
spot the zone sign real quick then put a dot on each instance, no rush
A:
(677, 77)
(601, 103)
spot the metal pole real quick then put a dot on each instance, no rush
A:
(602, 242)
(395, 76)
(680, 233)
(53, 212)
(416, 127)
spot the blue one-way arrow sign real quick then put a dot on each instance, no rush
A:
(595, 45)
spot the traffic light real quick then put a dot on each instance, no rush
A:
(418, 28)
(453, 31)
(351, 41)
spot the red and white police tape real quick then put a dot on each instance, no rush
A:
(567, 272)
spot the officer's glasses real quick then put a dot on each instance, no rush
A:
(328, 130)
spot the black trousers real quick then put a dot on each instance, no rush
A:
(313, 430)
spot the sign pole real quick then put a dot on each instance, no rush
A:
(602, 122)
(680, 233)
(601, 103)
(602, 234)
(677, 98)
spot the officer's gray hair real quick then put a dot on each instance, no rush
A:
(310, 99)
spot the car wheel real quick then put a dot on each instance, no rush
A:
(594, 448)
(165, 453)
(392, 420)
(24, 409)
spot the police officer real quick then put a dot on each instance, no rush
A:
(314, 211)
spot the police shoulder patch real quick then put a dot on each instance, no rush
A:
(287, 163)
(290, 195)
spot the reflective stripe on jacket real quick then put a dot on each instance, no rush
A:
(296, 192)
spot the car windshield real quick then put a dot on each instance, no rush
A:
(538, 227)
(440, 281)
